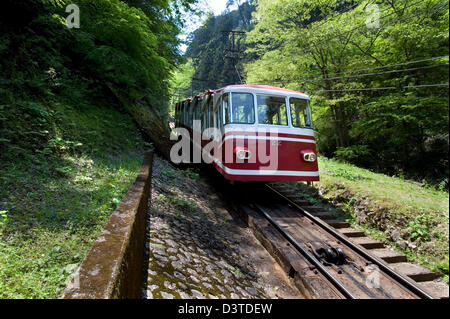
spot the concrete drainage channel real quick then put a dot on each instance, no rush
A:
(113, 268)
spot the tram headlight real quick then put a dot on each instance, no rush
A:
(309, 157)
(243, 154)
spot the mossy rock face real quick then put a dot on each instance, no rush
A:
(150, 122)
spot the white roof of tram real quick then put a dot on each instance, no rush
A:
(262, 89)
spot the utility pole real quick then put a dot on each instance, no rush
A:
(234, 53)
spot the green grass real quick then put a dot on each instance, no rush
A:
(420, 213)
(405, 196)
(63, 170)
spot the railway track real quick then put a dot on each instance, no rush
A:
(325, 257)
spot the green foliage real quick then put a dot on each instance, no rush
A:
(56, 3)
(130, 46)
(180, 83)
(345, 174)
(62, 146)
(353, 153)
(183, 203)
(419, 228)
(443, 267)
(190, 174)
(443, 185)
(62, 129)
(3, 219)
(170, 172)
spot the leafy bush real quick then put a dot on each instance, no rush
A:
(130, 46)
(3, 217)
(190, 174)
(419, 229)
(356, 154)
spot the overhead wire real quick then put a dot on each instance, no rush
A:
(356, 75)
(356, 71)
(384, 88)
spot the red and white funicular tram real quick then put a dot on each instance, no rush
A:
(251, 133)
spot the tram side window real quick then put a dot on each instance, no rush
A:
(185, 114)
(194, 113)
(181, 113)
(243, 108)
(190, 115)
(211, 113)
(226, 108)
(197, 112)
(272, 110)
(204, 120)
(300, 112)
(219, 114)
(176, 114)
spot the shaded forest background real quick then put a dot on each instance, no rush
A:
(379, 86)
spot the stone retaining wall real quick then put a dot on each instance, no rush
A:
(112, 269)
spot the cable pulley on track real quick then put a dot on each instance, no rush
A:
(331, 255)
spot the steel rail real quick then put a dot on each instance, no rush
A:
(337, 284)
(401, 279)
